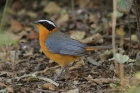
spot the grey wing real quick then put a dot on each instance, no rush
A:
(62, 44)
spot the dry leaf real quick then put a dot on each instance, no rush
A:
(27, 28)
(78, 35)
(73, 91)
(82, 3)
(4, 55)
(95, 38)
(137, 75)
(89, 77)
(16, 6)
(134, 38)
(34, 35)
(15, 26)
(48, 86)
(52, 8)
(57, 70)
(12, 55)
(2, 84)
(105, 55)
(64, 18)
(81, 26)
(78, 64)
(10, 89)
(92, 61)
(94, 19)
(75, 82)
(102, 80)
(31, 14)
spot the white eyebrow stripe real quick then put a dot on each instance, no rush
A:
(50, 22)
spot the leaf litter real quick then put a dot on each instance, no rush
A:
(35, 72)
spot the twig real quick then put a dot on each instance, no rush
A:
(129, 29)
(14, 67)
(113, 36)
(43, 91)
(104, 80)
(39, 77)
(137, 17)
(73, 9)
(48, 80)
(121, 65)
(122, 74)
(26, 75)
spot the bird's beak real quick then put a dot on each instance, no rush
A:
(35, 22)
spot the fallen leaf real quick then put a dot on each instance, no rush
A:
(63, 18)
(134, 38)
(82, 3)
(124, 6)
(105, 55)
(78, 35)
(120, 31)
(138, 57)
(112, 85)
(78, 64)
(73, 91)
(31, 14)
(92, 61)
(103, 80)
(33, 35)
(9, 88)
(75, 82)
(4, 55)
(16, 6)
(89, 77)
(57, 70)
(48, 86)
(120, 58)
(94, 18)
(2, 84)
(52, 8)
(81, 26)
(137, 75)
(118, 14)
(27, 28)
(12, 55)
(15, 26)
(95, 38)
(28, 52)
(31, 78)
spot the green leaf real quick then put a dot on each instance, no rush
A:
(121, 58)
(112, 85)
(124, 6)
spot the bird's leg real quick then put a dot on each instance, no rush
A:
(60, 72)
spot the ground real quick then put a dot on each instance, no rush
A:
(25, 69)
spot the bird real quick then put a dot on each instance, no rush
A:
(59, 47)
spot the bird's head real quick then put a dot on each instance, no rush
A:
(48, 24)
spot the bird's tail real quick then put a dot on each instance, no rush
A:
(91, 48)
